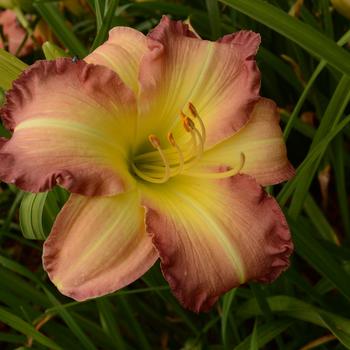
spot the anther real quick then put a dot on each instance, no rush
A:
(193, 110)
(171, 139)
(188, 124)
(179, 152)
(195, 115)
(153, 139)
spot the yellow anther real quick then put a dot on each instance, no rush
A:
(154, 140)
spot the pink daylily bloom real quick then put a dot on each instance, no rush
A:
(165, 143)
(15, 34)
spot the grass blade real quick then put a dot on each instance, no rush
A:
(25, 328)
(307, 37)
(106, 25)
(214, 18)
(57, 22)
(10, 68)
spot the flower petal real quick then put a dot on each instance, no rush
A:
(98, 245)
(15, 34)
(122, 52)
(261, 141)
(73, 125)
(215, 235)
(219, 78)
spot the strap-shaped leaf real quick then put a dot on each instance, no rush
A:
(38, 212)
(10, 68)
(318, 44)
(52, 51)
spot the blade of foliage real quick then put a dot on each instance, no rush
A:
(307, 37)
(65, 314)
(340, 182)
(214, 18)
(329, 120)
(25, 328)
(319, 220)
(267, 332)
(254, 345)
(10, 68)
(109, 323)
(99, 5)
(30, 215)
(318, 257)
(134, 325)
(57, 22)
(297, 309)
(225, 317)
(312, 156)
(52, 51)
(337, 329)
(106, 24)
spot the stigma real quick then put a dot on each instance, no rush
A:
(172, 159)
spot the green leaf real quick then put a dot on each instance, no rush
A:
(339, 152)
(38, 212)
(319, 220)
(59, 308)
(267, 332)
(101, 35)
(109, 323)
(329, 120)
(254, 338)
(226, 310)
(52, 51)
(10, 68)
(23, 327)
(312, 156)
(317, 256)
(337, 329)
(297, 309)
(30, 215)
(99, 5)
(214, 18)
(57, 22)
(307, 37)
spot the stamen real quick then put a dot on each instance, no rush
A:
(181, 157)
(154, 140)
(156, 144)
(187, 122)
(195, 114)
(176, 159)
(220, 175)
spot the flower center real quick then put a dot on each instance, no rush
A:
(162, 164)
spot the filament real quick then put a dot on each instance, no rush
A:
(159, 165)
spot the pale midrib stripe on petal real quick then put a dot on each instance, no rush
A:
(200, 78)
(68, 125)
(232, 253)
(121, 221)
(128, 71)
(197, 83)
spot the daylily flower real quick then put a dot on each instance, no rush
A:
(342, 6)
(16, 36)
(165, 143)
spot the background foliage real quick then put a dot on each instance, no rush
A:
(305, 64)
